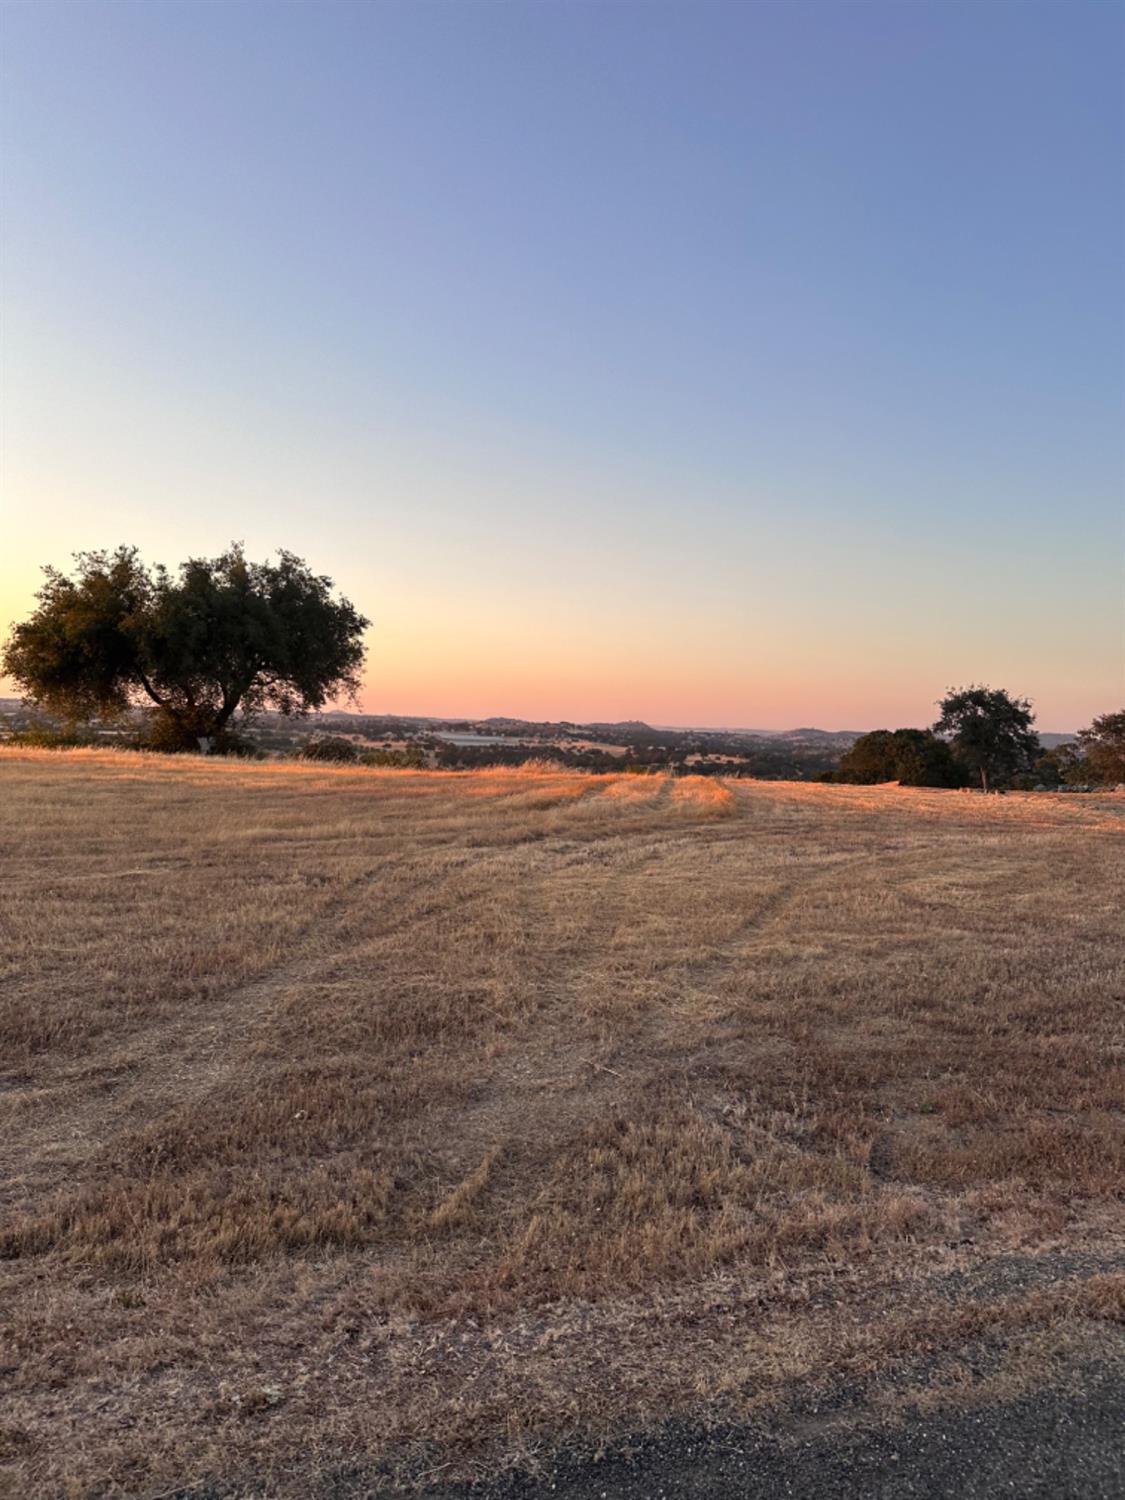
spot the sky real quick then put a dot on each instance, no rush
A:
(758, 364)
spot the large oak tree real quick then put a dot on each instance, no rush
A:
(989, 732)
(220, 635)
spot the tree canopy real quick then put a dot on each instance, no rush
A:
(220, 635)
(912, 757)
(1056, 767)
(989, 732)
(1103, 749)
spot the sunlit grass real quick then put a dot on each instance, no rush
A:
(300, 1061)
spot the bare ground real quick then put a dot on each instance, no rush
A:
(407, 1125)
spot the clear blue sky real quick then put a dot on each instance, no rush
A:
(750, 363)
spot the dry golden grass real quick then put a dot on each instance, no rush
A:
(358, 1117)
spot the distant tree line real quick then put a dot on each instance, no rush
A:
(337, 750)
(984, 736)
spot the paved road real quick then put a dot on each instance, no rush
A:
(1050, 1446)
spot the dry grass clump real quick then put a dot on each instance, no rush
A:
(510, 1102)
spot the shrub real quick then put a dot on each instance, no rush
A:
(410, 759)
(45, 737)
(331, 747)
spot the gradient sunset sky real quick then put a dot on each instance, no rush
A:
(749, 364)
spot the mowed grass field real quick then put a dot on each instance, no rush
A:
(400, 1125)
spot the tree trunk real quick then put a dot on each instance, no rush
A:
(983, 779)
(223, 718)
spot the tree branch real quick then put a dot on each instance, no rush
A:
(154, 695)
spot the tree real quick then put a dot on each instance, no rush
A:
(912, 757)
(869, 761)
(1056, 767)
(989, 732)
(1103, 746)
(222, 635)
(921, 759)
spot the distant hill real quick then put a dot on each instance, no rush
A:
(632, 731)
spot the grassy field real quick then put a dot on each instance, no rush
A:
(396, 1123)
